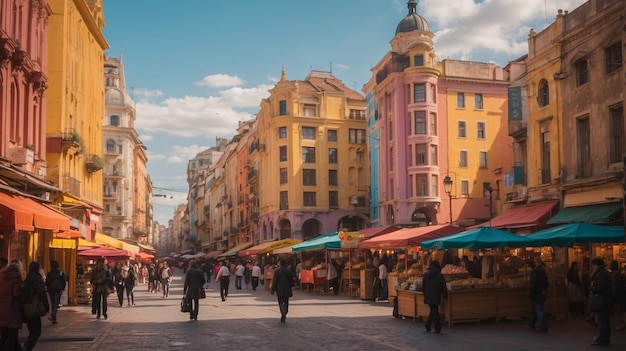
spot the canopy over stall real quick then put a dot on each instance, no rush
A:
(324, 241)
(369, 233)
(269, 246)
(527, 216)
(578, 233)
(235, 250)
(103, 252)
(599, 213)
(212, 254)
(405, 237)
(479, 238)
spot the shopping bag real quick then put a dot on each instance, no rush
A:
(185, 305)
(34, 308)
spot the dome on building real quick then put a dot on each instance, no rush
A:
(118, 97)
(412, 21)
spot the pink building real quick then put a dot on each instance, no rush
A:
(23, 81)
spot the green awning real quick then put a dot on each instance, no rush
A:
(600, 213)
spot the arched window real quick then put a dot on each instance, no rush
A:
(543, 95)
(110, 145)
(115, 120)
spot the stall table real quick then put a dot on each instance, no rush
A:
(315, 278)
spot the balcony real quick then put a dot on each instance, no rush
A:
(70, 139)
(114, 174)
(109, 195)
(252, 175)
(71, 185)
(93, 163)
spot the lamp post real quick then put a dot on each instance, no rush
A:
(447, 187)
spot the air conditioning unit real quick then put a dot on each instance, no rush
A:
(354, 200)
(22, 156)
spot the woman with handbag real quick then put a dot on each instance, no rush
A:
(34, 289)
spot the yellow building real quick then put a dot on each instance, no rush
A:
(316, 177)
(75, 106)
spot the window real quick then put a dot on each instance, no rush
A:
(360, 157)
(461, 129)
(309, 110)
(418, 60)
(422, 184)
(119, 149)
(434, 185)
(432, 130)
(584, 147)
(332, 177)
(543, 95)
(480, 130)
(308, 154)
(333, 199)
(282, 133)
(582, 72)
(616, 114)
(478, 101)
(420, 154)
(391, 130)
(463, 158)
(332, 135)
(115, 120)
(332, 155)
(357, 114)
(110, 145)
(545, 154)
(419, 93)
(308, 177)
(433, 155)
(308, 133)
(409, 155)
(460, 100)
(420, 122)
(482, 159)
(464, 187)
(282, 107)
(309, 198)
(356, 136)
(431, 93)
(613, 57)
(284, 200)
(284, 178)
(282, 152)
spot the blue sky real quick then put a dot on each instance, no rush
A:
(197, 67)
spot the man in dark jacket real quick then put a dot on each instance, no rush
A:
(194, 280)
(601, 285)
(281, 285)
(55, 284)
(537, 290)
(434, 285)
(101, 283)
(34, 286)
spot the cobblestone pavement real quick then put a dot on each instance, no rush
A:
(250, 320)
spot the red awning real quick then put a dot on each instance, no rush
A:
(13, 214)
(405, 237)
(212, 254)
(103, 252)
(144, 257)
(530, 215)
(68, 234)
(368, 233)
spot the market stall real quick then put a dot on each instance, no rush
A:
(469, 298)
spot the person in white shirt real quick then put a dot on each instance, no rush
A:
(256, 275)
(223, 276)
(382, 276)
(239, 270)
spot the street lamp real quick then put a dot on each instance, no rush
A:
(447, 187)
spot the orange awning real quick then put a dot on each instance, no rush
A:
(45, 217)
(68, 234)
(530, 215)
(13, 214)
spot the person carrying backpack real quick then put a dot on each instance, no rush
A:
(55, 284)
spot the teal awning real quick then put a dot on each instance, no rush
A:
(325, 241)
(600, 213)
(578, 233)
(479, 238)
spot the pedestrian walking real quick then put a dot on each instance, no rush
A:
(223, 276)
(101, 285)
(537, 289)
(247, 274)
(601, 301)
(239, 271)
(118, 281)
(194, 280)
(152, 273)
(55, 284)
(34, 286)
(282, 282)
(255, 275)
(166, 276)
(129, 285)
(434, 286)
(10, 305)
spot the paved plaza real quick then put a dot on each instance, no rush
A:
(250, 320)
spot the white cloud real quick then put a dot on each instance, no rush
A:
(220, 81)
(464, 27)
(342, 66)
(145, 137)
(194, 116)
(143, 93)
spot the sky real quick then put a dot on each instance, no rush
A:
(195, 68)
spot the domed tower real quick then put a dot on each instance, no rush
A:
(413, 37)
